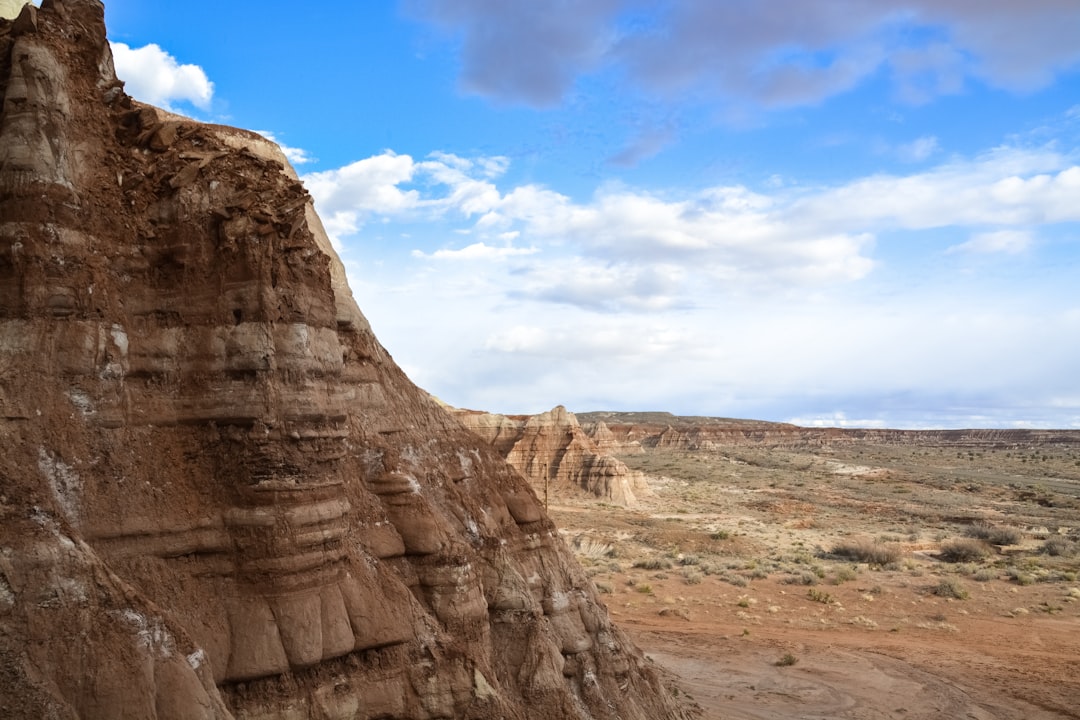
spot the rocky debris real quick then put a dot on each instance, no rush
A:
(219, 497)
(556, 455)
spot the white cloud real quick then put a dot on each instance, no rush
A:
(919, 150)
(835, 420)
(348, 196)
(154, 76)
(296, 156)
(1011, 242)
(1006, 187)
(625, 249)
(476, 251)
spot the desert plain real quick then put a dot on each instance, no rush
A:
(853, 579)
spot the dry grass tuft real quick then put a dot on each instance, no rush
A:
(868, 551)
(995, 534)
(963, 550)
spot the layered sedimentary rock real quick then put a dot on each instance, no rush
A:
(636, 432)
(219, 496)
(556, 455)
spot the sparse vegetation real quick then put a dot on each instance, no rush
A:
(950, 588)
(804, 578)
(692, 576)
(963, 550)
(830, 540)
(868, 551)
(845, 574)
(995, 534)
(1059, 546)
(786, 660)
(1019, 576)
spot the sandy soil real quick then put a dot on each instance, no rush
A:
(724, 578)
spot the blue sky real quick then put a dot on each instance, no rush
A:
(839, 212)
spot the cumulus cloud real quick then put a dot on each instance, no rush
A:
(780, 53)
(154, 76)
(626, 249)
(347, 196)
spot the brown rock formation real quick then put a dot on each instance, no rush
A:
(553, 452)
(219, 497)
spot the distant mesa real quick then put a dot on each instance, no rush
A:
(557, 456)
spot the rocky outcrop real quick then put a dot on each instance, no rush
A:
(556, 456)
(219, 496)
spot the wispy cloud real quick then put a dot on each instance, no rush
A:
(1011, 242)
(476, 251)
(919, 150)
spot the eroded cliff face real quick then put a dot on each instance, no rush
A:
(219, 496)
(556, 456)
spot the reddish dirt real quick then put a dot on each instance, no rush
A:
(986, 669)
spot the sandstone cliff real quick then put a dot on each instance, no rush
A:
(556, 456)
(219, 496)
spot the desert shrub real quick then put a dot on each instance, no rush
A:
(819, 596)
(867, 551)
(950, 588)
(995, 534)
(592, 549)
(689, 560)
(845, 574)
(645, 589)
(963, 550)
(652, 564)
(733, 579)
(1058, 546)
(720, 535)
(757, 574)
(787, 660)
(984, 575)
(806, 578)
(692, 576)
(604, 588)
(1019, 576)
